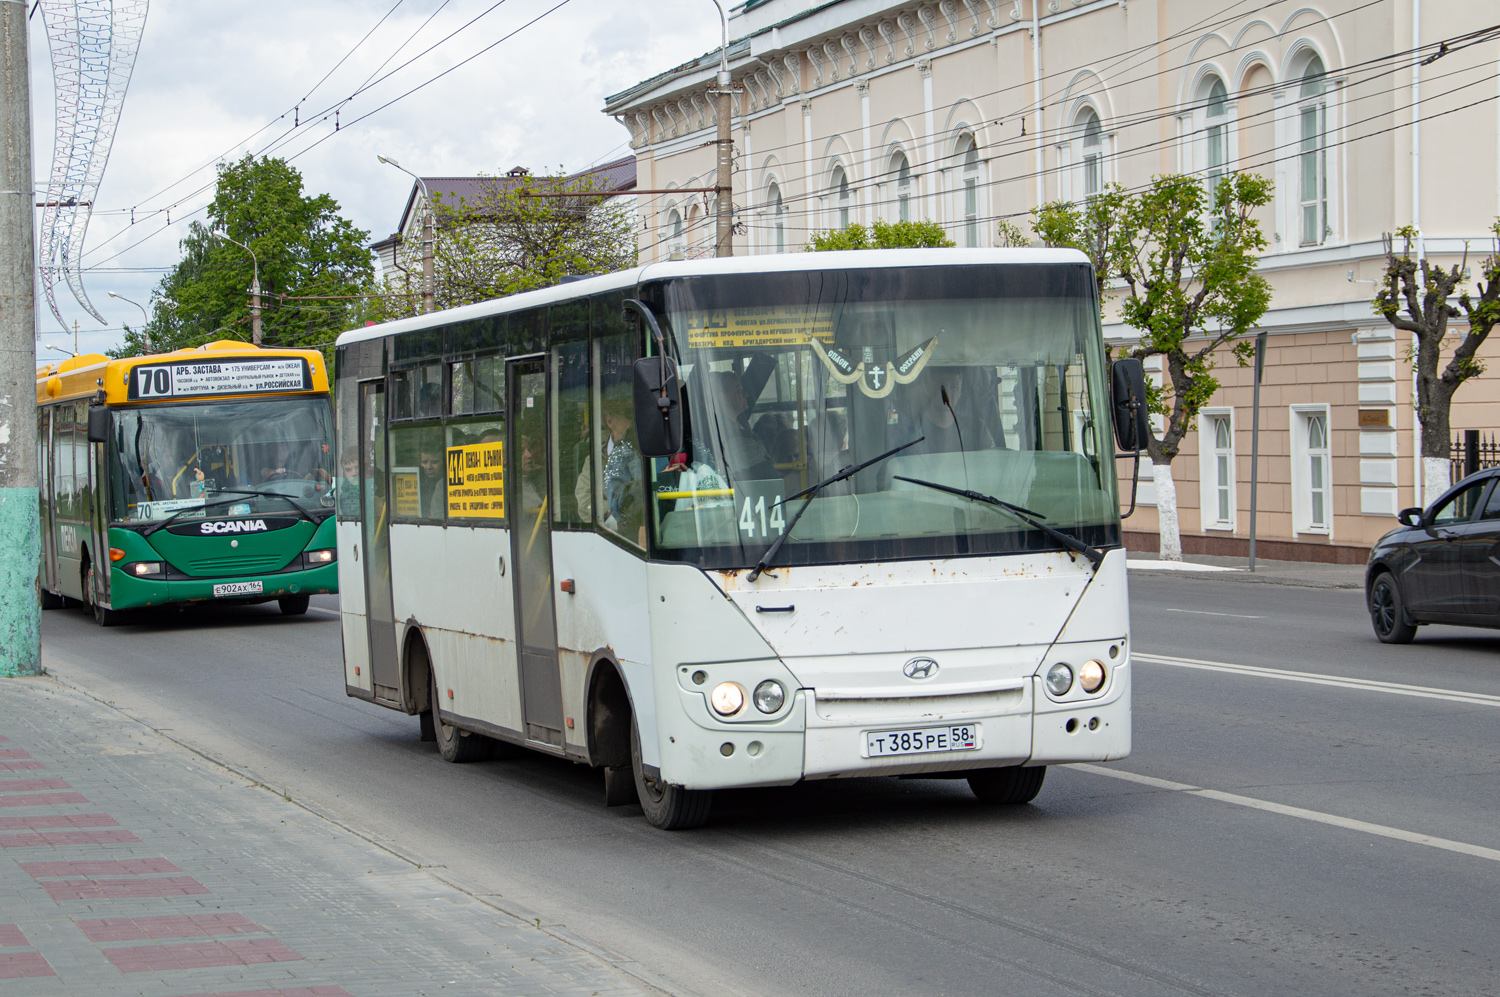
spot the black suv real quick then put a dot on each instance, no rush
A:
(1439, 566)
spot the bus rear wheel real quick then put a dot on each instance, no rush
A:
(294, 605)
(670, 808)
(1011, 785)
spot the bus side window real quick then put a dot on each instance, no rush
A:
(418, 473)
(62, 454)
(571, 458)
(618, 467)
(348, 436)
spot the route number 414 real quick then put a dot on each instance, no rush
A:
(758, 512)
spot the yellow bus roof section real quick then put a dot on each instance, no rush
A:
(224, 369)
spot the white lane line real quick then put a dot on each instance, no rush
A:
(325, 612)
(1317, 816)
(1204, 612)
(1314, 678)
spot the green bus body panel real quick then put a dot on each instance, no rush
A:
(214, 557)
(260, 556)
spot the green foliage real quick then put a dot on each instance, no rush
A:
(1414, 297)
(1188, 260)
(507, 240)
(313, 264)
(1009, 235)
(885, 235)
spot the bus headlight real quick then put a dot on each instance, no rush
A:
(1091, 676)
(317, 558)
(144, 569)
(769, 696)
(727, 699)
(1059, 679)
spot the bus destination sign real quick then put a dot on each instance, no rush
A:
(249, 376)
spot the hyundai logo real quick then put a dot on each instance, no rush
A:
(920, 668)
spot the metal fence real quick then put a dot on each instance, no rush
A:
(1472, 452)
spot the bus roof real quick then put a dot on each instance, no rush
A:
(81, 376)
(862, 259)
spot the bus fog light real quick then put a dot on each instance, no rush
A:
(1091, 676)
(317, 557)
(769, 696)
(142, 569)
(1059, 679)
(728, 698)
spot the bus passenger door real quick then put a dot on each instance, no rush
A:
(375, 528)
(531, 553)
(44, 480)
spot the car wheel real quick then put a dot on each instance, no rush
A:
(1010, 785)
(670, 808)
(1388, 613)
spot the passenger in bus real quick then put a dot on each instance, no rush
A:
(941, 390)
(348, 486)
(622, 471)
(432, 481)
(744, 457)
(619, 421)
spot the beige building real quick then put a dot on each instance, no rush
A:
(971, 112)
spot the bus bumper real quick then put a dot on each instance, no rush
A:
(128, 592)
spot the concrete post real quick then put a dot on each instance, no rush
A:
(429, 290)
(724, 185)
(20, 530)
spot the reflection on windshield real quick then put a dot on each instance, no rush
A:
(171, 459)
(790, 378)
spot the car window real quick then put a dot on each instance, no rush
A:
(1459, 508)
(1491, 508)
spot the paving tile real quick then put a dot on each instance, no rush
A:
(42, 799)
(56, 820)
(14, 766)
(199, 955)
(120, 889)
(31, 785)
(11, 936)
(101, 867)
(14, 753)
(22, 965)
(132, 929)
(294, 992)
(52, 839)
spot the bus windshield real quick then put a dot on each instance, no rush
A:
(221, 459)
(994, 374)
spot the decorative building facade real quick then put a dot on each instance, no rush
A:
(972, 112)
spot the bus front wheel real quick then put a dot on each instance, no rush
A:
(1010, 785)
(670, 808)
(294, 605)
(453, 744)
(103, 617)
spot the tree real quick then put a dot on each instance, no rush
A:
(1415, 297)
(883, 235)
(518, 234)
(1188, 262)
(313, 266)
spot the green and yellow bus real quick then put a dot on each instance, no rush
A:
(201, 475)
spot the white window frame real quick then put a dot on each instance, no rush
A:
(969, 193)
(1302, 476)
(903, 187)
(1209, 126)
(840, 198)
(1312, 107)
(1210, 483)
(775, 209)
(1076, 155)
(672, 230)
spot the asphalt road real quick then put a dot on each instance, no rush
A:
(1306, 811)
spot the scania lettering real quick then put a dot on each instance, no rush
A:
(201, 475)
(747, 522)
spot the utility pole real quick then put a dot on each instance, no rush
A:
(724, 185)
(20, 529)
(254, 288)
(429, 287)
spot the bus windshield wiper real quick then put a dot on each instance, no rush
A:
(286, 498)
(1027, 516)
(812, 492)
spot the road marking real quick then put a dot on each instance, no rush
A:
(1317, 816)
(325, 612)
(1204, 612)
(1315, 678)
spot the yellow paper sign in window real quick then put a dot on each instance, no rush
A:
(404, 492)
(768, 325)
(476, 481)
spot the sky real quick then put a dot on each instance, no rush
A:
(216, 79)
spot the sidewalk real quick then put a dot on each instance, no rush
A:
(130, 865)
(1310, 574)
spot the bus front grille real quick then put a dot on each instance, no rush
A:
(234, 565)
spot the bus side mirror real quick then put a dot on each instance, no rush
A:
(98, 424)
(1127, 392)
(658, 407)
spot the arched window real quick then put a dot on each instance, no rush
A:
(778, 214)
(900, 168)
(1312, 158)
(674, 233)
(967, 154)
(1216, 132)
(838, 189)
(1091, 137)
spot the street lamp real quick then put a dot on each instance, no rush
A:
(429, 295)
(254, 288)
(724, 184)
(145, 331)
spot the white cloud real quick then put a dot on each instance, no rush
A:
(211, 75)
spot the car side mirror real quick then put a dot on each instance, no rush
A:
(1127, 391)
(98, 424)
(658, 407)
(1410, 517)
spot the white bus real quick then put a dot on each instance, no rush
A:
(744, 522)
